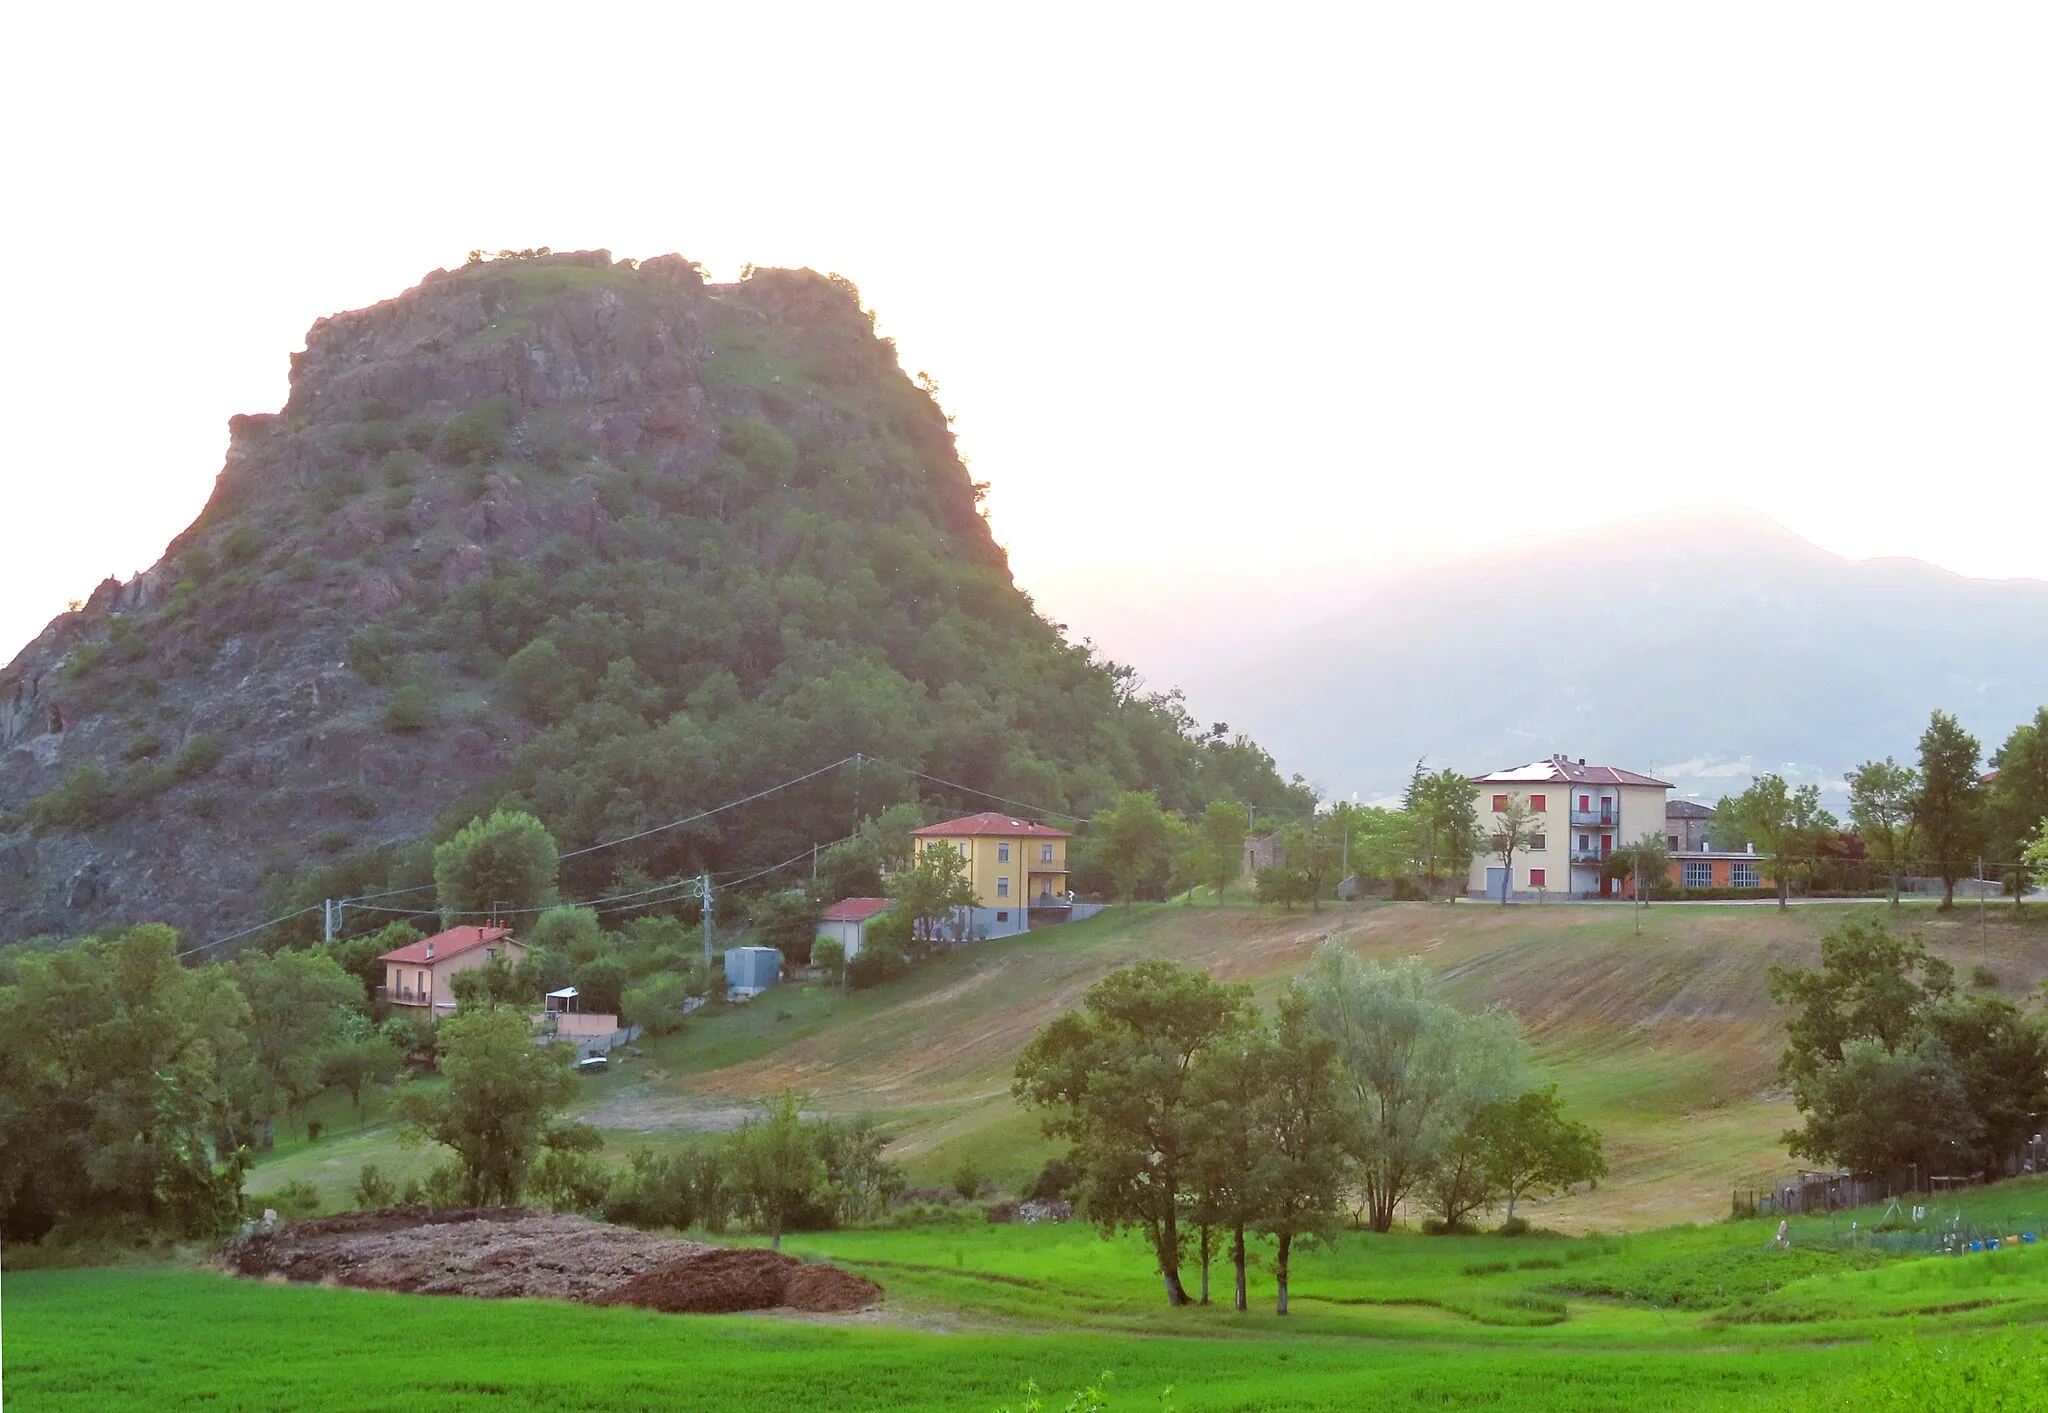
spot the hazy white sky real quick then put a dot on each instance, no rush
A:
(1204, 287)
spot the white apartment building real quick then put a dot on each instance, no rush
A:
(1583, 813)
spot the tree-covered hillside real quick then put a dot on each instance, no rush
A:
(594, 537)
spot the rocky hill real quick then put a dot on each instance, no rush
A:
(594, 536)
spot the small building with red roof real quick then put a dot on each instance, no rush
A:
(419, 973)
(1016, 866)
(846, 922)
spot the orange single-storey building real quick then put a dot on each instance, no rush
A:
(1715, 868)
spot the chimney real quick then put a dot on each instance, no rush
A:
(1582, 760)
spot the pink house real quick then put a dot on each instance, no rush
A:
(419, 973)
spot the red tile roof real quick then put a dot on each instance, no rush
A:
(1008, 826)
(443, 945)
(1560, 771)
(855, 909)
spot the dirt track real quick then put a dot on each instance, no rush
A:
(502, 1252)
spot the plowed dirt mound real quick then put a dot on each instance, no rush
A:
(512, 1251)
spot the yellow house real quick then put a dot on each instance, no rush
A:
(1014, 866)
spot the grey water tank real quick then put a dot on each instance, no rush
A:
(752, 968)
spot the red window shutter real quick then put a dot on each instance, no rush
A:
(1535, 878)
(1500, 804)
(1537, 802)
(1585, 804)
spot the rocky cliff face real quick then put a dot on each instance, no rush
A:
(316, 668)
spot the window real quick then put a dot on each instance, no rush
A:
(1045, 853)
(1500, 843)
(490, 954)
(1585, 804)
(1003, 887)
(963, 848)
(1535, 878)
(1672, 841)
(1002, 917)
(1537, 802)
(1537, 843)
(1742, 875)
(1500, 804)
(1699, 874)
(1585, 842)
(1003, 852)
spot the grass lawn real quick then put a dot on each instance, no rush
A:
(1706, 1317)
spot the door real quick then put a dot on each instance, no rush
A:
(1496, 883)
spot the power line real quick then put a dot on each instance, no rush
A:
(715, 809)
(189, 951)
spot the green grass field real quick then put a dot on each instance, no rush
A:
(1665, 1039)
(1707, 1317)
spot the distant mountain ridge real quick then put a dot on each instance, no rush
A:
(1706, 644)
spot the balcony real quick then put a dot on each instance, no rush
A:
(1589, 858)
(406, 996)
(1596, 818)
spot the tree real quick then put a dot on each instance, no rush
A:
(298, 1004)
(1526, 1144)
(494, 1110)
(1116, 1075)
(1881, 796)
(1786, 823)
(1298, 1172)
(1948, 809)
(1415, 1069)
(1221, 830)
(1134, 843)
(1513, 829)
(788, 922)
(508, 861)
(358, 1063)
(659, 1004)
(122, 1090)
(775, 1164)
(931, 891)
(2016, 799)
(1228, 1086)
(496, 983)
(1446, 817)
(1311, 852)
(852, 868)
(1890, 1066)
(1646, 862)
(359, 955)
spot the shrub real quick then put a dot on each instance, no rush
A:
(142, 746)
(570, 1182)
(373, 655)
(373, 1189)
(408, 710)
(1983, 978)
(370, 438)
(968, 1180)
(80, 799)
(1052, 1181)
(829, 953)
(84, 658)
(658, 1004)
(766, 450)
(292, 1201)
(402, 468)
(1513, 1226)
(481, 434)
(197, 756)
(314, 1128)
(241, 544)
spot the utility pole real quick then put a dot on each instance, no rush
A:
(704, 898)
(328, 920)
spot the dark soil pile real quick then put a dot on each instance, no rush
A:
(514, 1251)
(719, 1279)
